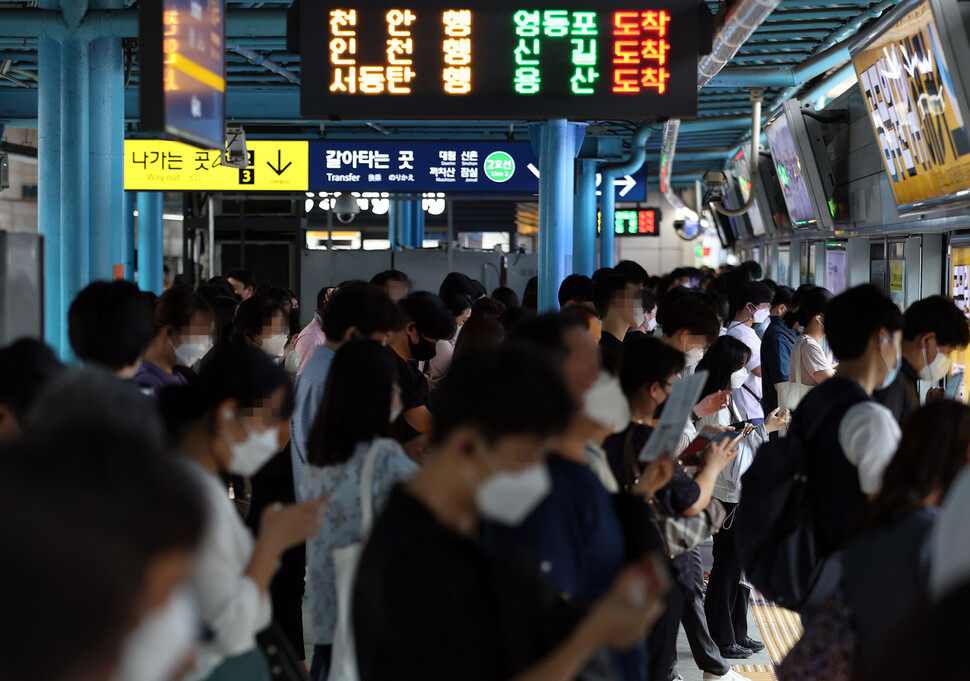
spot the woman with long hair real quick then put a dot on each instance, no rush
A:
(360, 399)
(726, 605)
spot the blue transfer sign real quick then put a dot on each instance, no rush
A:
(473, 167)
(454, 167)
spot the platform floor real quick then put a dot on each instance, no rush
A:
(777, 628)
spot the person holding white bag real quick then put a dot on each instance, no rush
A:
(814, 359)
(811, 363)
(353, 464)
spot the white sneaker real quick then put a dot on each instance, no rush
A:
(730, 676)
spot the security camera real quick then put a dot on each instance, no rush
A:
(714, 181)
(346, 208)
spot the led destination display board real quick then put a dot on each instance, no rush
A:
(911, 92)
(438, 59)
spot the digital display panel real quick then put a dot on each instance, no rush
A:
(182, 60)
(438, 59)
(791, 175)
(742, 174)
(908, 86)
(801, 162)
(642, 222)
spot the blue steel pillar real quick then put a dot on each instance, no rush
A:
(584, 219)
(75, 198)
(49, 189)
(558, 142)
(128, 236)
(150, 241)
(394, 234)
(106, 157)
(415, 212)
(607, 213)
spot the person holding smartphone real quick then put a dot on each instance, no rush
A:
(650, 366)
(430, 603)
(727, 601)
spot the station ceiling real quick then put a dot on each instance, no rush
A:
(263, 96)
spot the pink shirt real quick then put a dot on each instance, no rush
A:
(309, 339)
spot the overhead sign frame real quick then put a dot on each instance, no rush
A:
(498, 60)
(182, 70)
(400, 167)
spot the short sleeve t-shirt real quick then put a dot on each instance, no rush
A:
(575, 539)
(414, 393)
(748, 396)
(432, 605)
(813, 359)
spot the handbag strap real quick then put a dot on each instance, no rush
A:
(367, 489)
(798, 362)
(631, 469)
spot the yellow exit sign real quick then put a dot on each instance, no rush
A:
(160, 165)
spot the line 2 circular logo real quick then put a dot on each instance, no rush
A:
(499, 166)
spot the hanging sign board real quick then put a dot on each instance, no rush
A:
(498, 59)
(362, 166)
(182, 67)
(159, 165)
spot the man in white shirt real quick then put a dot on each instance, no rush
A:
(754, 306)
(847, 461)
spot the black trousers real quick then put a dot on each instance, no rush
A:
(662, 643)
(727, 600)
(705, 652)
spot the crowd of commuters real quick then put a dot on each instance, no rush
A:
(452, 486)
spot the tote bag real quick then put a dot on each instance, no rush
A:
(792, 393)
(343, 663)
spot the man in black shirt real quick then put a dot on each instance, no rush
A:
(429, 320)
(429, 603)
(619, 304)
(932, 329)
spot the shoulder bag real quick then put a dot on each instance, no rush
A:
(680, 534)
(343, 663)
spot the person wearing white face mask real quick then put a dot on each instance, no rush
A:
(429, 602)
(183, 335)
(754, 306)
(650, 368)
(231, 419)
(260, 321)
(690, 325)
(815, 362)
(580, 551)
(726, 605)
(620, 306)
(859, 436)
(933, 328)
(361, 399)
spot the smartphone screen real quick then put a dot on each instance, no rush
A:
(659, 580)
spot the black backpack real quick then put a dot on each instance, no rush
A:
(775, 524)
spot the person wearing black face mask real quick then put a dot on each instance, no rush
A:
(429, 320)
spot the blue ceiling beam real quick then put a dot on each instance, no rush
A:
(40, 23)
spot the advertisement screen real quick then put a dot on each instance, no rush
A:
(908, 87)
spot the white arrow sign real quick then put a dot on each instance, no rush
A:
(626, 182)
